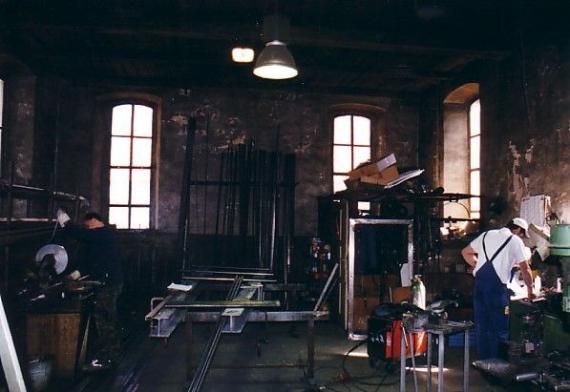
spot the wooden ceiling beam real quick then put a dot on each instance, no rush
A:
(300, 36)
(322, 71)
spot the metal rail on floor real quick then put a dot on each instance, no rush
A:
(212, 345)
(245, 303)
(263, 316)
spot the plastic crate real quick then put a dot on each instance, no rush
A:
(458, 339)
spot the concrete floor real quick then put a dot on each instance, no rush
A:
(153, 365)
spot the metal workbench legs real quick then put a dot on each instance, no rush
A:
(466, 363)
(403, 346)
(188, 347)
(440, 362)
(311, 348)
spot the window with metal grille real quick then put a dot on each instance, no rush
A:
(131, 164)
(475, 158)
(351, 147)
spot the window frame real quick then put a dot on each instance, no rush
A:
(474, 214)
(352, 114)
(377, 117)
(154, 104)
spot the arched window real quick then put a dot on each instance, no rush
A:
(462, 150)
(132, 130)
(351, 146)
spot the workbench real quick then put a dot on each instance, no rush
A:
(59, 330)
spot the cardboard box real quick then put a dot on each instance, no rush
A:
(377, 167)
(367, 285)
(382, 178)
(380, 172)
(363, 307)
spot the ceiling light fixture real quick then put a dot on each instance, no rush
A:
(275, 61)
(242, 54)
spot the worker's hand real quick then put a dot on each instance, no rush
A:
(62, 217)
(531, 295)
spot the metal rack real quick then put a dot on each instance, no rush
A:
(246, 209)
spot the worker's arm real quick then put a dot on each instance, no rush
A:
(77, 232)
(469, 255)
(527, 277)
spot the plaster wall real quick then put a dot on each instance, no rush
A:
(526, 129)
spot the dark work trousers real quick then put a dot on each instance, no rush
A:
(107, 345)
(491, 306)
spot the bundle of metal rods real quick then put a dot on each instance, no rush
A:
(248, 209)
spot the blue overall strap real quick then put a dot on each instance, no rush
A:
(498, 250)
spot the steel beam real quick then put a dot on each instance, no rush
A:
(225, 304)
(260, 316)
(222, 279)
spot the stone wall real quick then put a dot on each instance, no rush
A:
(291, 122)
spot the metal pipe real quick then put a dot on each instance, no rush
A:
(290, 214)
(226, 304)
(272, 210)
(262, 316)
(440, 353)
(326, 288)
(259, 209)
(231, 271)
(26, 190)
(206, 170)
(466, 363)
(260, 366)
(526, 377)
(428, 361)
(413, 357)
(207, 278)
(183, 222)
(220, 174)
(402, 360)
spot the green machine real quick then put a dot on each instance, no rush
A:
(560, 246)
(555, 324)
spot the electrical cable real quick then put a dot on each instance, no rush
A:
(381, 383)
(348, 353)
(358, 380)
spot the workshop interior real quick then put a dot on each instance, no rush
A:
(282, 195)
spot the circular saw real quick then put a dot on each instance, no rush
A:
(52, 253)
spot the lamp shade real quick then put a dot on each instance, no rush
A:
(275, 62)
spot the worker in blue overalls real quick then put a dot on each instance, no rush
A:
(493, 255)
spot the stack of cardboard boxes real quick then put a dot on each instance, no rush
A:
(381, 172)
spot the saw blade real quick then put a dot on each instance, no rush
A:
(59, 254)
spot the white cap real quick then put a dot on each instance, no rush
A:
(520, 222)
